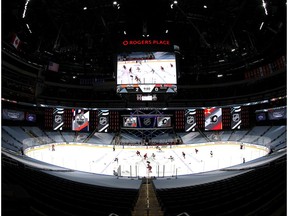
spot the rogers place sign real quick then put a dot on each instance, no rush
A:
(146, 42)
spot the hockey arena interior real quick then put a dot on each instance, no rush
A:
(143, 108)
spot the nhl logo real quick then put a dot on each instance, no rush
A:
(58, 119)
(103, 120)
(236, 117)
(147, 121)
(190, 120)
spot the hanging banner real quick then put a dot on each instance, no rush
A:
(190, 120)
(103, 120)
(236, 117)
(213, 118)
(80, 120)
(58, 120)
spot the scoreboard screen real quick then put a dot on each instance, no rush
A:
(146, 72)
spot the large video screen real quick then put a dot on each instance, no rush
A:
(146, 72)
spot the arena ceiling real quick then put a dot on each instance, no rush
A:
(213, 36)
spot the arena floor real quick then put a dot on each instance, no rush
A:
(168, 161)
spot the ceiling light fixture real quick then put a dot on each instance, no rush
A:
(173, 3)
(264, 6)
(261, 25)
(25, 8)
(116, 4)
(29, 28)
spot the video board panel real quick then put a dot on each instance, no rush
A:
(147, 121)
(130, 122)
(146, 72)
(277, 113)
(14, 115)
(163, 122)
(152, 121)
(31, 117)
(261, 116)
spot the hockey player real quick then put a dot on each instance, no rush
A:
(116, 159)
(138, 153)
(183, 154)
(149, 167)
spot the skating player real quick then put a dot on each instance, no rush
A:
(183, 154)
(138, 153)
(53, 147)
(149, 167)
(145, 156)
(159, 148)
(116, 159)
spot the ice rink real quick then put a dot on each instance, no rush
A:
(167, 161)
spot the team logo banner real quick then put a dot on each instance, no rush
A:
(213, 118)
(80, 120)
(103, 120)
(58, 120)
(236, 117)
(190, 120)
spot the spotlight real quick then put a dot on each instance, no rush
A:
(116, 4)
(173, 3)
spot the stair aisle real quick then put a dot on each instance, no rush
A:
(141, 208)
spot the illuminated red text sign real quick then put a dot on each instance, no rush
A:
(145, 42)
